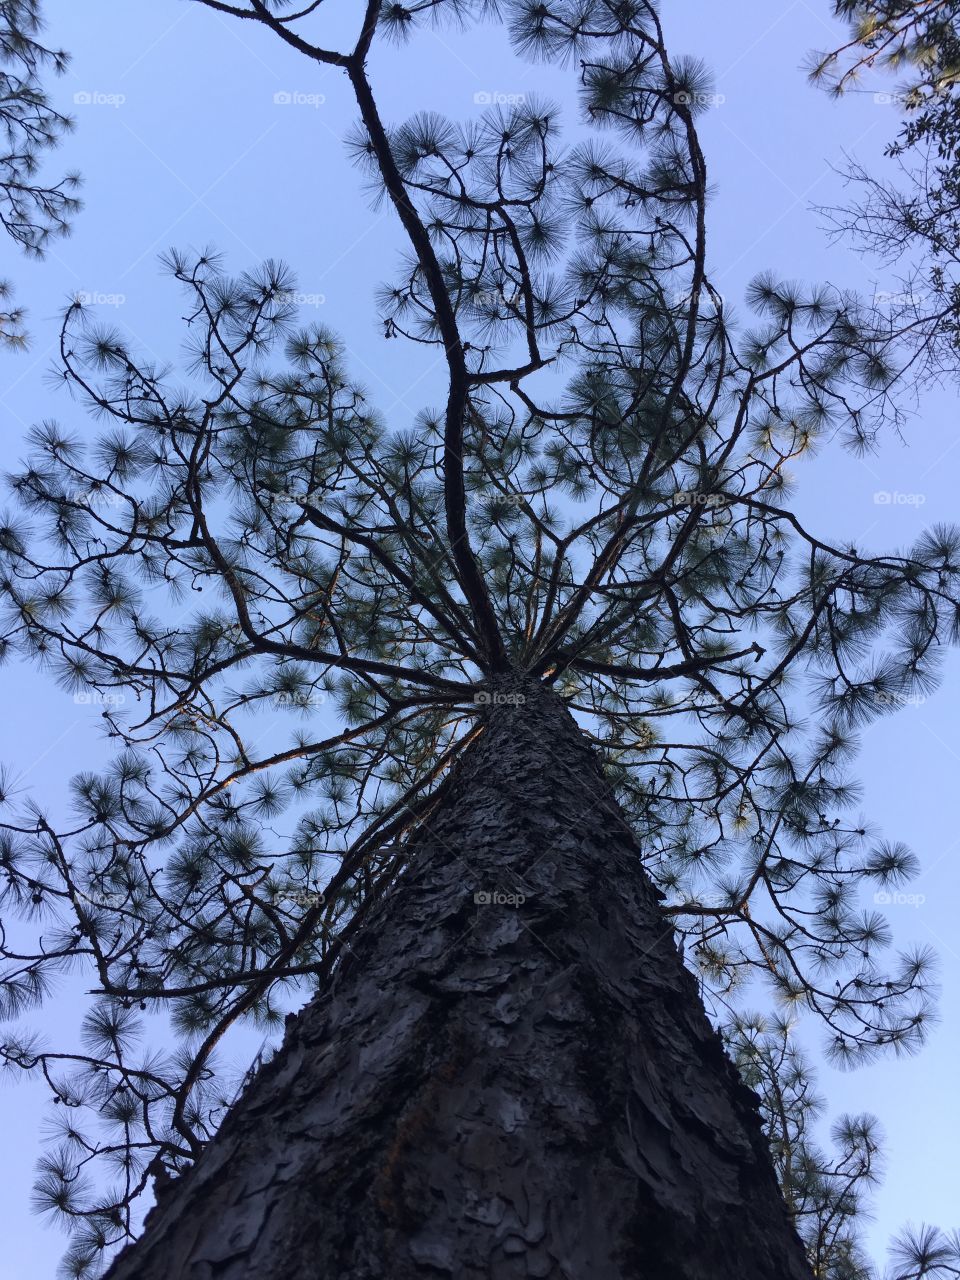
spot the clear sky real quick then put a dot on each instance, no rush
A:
(194, 130)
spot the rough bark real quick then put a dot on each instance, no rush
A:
(494, 1090)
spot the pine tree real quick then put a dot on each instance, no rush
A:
(31, 213)
(910, 218)
(570, 683)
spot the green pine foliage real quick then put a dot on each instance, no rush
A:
(31, 212)
(909, 218)
(291, 614)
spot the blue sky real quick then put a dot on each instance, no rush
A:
(194, 130)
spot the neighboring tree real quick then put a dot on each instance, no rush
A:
(826, 1195)
(572, 684)
(31, 213)
(917, 36)
(912, 219)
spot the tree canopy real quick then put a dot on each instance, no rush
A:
(31, 213)
(909, 218)
(602, 503)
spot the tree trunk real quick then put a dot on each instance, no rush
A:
(494, 1088)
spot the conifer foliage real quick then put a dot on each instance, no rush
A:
(31, 213)
(910, 217)
(601, 504)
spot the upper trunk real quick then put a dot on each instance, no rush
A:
(494, 1089)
